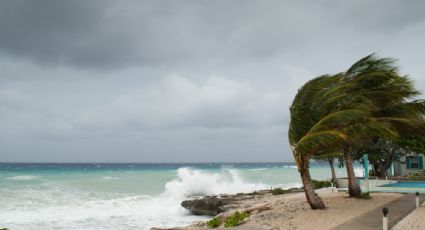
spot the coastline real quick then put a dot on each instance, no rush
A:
(291, 211)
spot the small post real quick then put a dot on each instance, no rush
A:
(366, 172)
(417, 199)
(385, 219)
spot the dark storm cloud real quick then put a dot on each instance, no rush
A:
(105, 80)
(109, 34)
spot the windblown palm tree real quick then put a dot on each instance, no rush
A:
(334, 113)
(319, 123)
(376, 82)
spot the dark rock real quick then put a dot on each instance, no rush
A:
(209, 206)
(213, 205)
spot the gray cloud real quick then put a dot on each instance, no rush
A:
(179, 102)
(179, 80)
(110, 34)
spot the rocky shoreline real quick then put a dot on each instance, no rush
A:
(214, 205)
(221, 206)
(287, 211)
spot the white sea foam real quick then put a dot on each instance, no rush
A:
(23, 177)
(289, 185)
(110, 178)
(259, 169)
(62, 206)
(196, 182)
(129, 212)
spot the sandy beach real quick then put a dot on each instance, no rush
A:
(291, 211)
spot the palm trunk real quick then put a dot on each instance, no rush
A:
(334, 180)
(313, 199)
(353, 188)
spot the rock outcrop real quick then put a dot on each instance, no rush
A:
(214, 205)
(208, 206)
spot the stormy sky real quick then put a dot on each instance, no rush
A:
(180, 81)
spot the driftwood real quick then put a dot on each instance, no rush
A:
(256, 208)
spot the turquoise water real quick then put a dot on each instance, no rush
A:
(405, 185)
(127, 196)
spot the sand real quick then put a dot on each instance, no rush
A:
(291, 211)
(414, 221)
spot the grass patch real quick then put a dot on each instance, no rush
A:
(279, 191)
(235, 219)
(214, 223)
(318, 184)
(365, 195)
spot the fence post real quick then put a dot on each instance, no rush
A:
(417, 199)
(385, 219)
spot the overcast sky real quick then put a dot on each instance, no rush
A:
(180, 81)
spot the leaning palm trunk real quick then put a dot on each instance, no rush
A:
(334, 180)
(353, 187)
(313, 199)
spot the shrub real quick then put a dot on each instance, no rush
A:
(321, 184)
(279, 191)
(365, 195)
(4, 229)
(214, 223)
(235, 219)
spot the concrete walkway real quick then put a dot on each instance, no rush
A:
(372, 220)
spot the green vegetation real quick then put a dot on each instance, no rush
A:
(318, 184)
(235, 219)
(280, 191)
(368, 107)
(365, 195)
(214, 223)
(4, 229)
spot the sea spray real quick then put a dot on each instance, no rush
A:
(191, 182)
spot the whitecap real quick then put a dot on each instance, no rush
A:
(110, 178)
(78, 211)
(24, 177)
(192, 182)
(259, 169)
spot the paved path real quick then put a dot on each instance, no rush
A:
(372, 220)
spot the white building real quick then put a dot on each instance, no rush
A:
(413, 164)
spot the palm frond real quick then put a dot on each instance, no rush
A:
(330, 139)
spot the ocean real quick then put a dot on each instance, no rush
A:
(128, 196)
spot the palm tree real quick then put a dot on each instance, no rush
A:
(319, 124)
(337, 113)
(376, 82)
(330, 157)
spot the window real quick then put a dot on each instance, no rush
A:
(414, 163)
